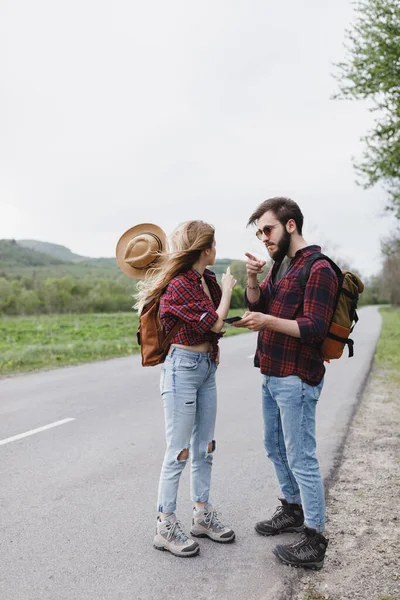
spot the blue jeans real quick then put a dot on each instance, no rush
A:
(289, 406)
(189, 396)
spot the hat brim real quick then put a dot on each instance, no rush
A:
(126, 238)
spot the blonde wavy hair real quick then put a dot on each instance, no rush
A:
(185, 247)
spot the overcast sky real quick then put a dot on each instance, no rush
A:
(117, 113)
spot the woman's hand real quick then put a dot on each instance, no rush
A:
(228, 282)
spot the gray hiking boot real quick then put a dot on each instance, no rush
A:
(205, 523)
(170, 536)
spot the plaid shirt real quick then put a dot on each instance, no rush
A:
(279, 354)
(186, 299)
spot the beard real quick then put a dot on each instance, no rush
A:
(282, 247)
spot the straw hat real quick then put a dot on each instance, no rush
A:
(138, 249)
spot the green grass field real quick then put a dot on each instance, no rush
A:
(388, 350)
(49, 341)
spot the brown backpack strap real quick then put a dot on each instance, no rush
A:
(173, 331)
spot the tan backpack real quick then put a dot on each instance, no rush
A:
(344, 316)
(153, 342)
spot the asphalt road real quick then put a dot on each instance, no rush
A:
(78, 499)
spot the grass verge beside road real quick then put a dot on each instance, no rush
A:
(388, 349)
(50, 341)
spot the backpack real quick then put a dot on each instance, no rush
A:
(344, 312)
(153, 342)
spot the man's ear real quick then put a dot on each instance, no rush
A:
(290, 226)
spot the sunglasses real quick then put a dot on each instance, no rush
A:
(267, 230)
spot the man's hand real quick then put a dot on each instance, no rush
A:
(255, 321)
(254, 266)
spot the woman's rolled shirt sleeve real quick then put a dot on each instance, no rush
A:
(184, 305)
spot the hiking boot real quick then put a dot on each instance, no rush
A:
(309, 552)
(205, 523)
(287, 518)
(170, 536)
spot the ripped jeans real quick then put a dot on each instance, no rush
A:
(189, 396)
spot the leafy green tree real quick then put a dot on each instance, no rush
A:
(371, 72)
(7, 299)
(391, 275)
(29, 303)
(238, 270)
(237, 299)
(391, 267)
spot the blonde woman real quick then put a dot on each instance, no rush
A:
(190, 292)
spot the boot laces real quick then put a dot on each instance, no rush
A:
(302, 542)
(212, 520)
(279, 511)
(175, 531)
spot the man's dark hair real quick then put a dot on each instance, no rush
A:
(283, 208)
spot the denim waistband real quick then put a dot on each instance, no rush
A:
(192, 353)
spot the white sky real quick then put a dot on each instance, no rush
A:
(117, 113)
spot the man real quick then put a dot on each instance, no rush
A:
(291, 325)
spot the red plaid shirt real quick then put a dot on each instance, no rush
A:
(279, 354)
(186, 299)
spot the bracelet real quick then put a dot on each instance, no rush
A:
(251, 287)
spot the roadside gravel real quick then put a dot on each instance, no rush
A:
(363, 557)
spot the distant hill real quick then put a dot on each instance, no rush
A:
(12, 255)
(32, 258)
(54, 250)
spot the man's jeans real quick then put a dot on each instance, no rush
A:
(289, 406)
(189, 395)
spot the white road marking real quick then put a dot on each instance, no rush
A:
(33, 431)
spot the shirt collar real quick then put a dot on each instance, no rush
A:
(307, 250)
(194, 275)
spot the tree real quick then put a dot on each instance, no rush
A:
(371, 72)
(391, 266)
(237, 299)
(238, 270)
(391, 275)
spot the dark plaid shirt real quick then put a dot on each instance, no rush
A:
(279, 354)
(186, 299)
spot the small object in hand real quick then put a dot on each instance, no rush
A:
(228, 270)
(230, 320)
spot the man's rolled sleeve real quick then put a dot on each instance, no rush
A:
(319, 302)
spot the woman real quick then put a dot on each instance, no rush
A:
(190, 292)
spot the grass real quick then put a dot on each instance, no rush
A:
(312, 594)
(388, 349)
(49, 341)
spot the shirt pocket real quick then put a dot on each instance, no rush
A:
(288, 298)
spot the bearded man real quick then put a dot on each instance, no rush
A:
(292, 323)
